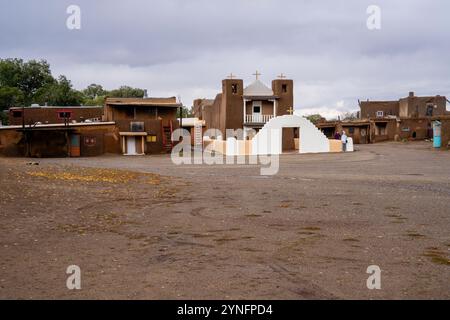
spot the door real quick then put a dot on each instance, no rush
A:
(363, 135)
(131, 145)
(75, 145)
(256, 112)
(288, 142)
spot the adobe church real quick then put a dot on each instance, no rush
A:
(250, 107)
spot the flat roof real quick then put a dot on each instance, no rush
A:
(58, 125)
(55, 107)
(145, 102)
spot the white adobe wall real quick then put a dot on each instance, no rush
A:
(269, 139)
(349, 146)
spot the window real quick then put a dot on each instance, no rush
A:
(64, 114)
(90, 141)
(17, 114)
(284, 88)
(256, 107)
(351, 130)
(234, 88)
(380, 114)
(151, 138)
(137, 126)
(380, 129)
(430, 108)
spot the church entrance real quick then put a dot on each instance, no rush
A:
(290, 138)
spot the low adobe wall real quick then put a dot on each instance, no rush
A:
(244, 147)
(94, 140)
(10, 143)
(445, 133)
(335, 145)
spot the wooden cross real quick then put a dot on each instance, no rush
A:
(257, 74)
(290, 111)
(231, 76)
(282, 76)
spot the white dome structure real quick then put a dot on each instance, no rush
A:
(269, 139)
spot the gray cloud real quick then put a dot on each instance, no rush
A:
(187, 47)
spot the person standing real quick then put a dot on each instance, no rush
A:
(344, 141)
(337, 136)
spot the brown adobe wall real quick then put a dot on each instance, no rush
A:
(10, 143)
(286, 99)
(50, 115)
(232, 108)
(369, 108)
(445, 133)
(421, 128)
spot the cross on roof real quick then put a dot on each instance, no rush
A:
(290, 110)
(282, 76)
(231, 76)
(257, 74)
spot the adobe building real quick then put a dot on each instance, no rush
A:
(265, 116)
(131, 126)
(250, 107)
(59, 140)
(408, 107)
(145, 125)
(444, 123)
(408, 118)
(53, 114)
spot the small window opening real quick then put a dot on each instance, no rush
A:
(64, 114)
(17, 114)
(234, 88)
(151, 138)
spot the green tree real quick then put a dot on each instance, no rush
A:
(185, 112)
(350, 116)
(97, 101)
(10, 97)
(3, 117)
(60, 93)
(28, 77)
(315, 118)
(93, 91)
(126, 92)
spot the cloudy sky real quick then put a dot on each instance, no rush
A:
(186, 47)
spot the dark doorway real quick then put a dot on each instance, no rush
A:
(329, 132)
(288, 139)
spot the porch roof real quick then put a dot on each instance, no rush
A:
(133, 133)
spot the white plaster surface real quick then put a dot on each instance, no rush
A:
(269, 139)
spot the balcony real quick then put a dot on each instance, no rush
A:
(258, 118)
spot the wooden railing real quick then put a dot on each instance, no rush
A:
(258, 118)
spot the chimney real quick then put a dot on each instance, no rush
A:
(145, 94)
(411, 94)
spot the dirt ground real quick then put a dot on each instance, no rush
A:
(144, 228)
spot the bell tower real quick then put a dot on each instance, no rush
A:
(284, 89)
(233, 103)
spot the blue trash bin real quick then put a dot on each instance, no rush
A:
(437, 134)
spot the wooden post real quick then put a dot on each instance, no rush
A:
(123, 145)
(67, 143)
